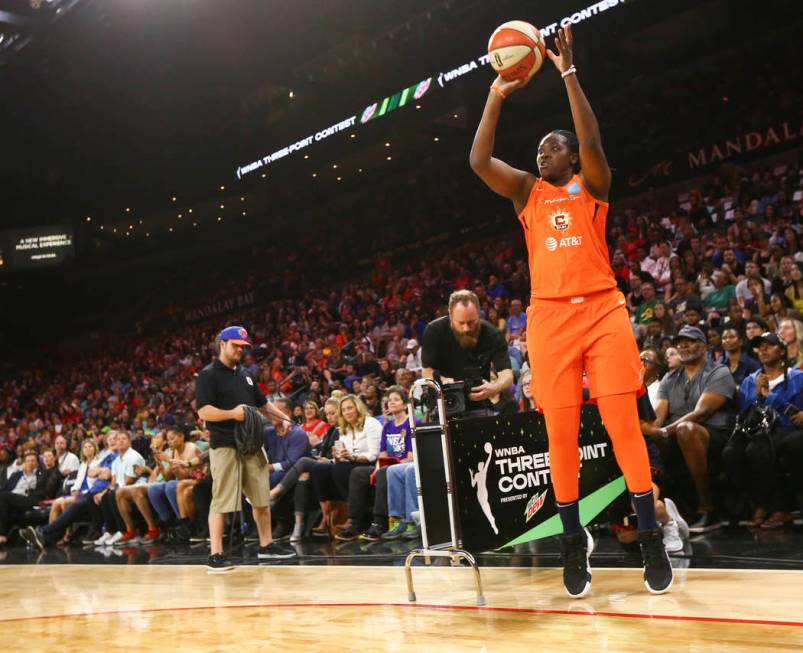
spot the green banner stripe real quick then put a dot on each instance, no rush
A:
(382, 108)
(406, 93)
(590, 507)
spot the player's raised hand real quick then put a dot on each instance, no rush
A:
(563, 42)
(507, 87)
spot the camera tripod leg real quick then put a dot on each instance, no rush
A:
(409, 573)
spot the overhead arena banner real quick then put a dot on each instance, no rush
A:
(755, 141)
(414, 92)
(217, 308)
(502, 483)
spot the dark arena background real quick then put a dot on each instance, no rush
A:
(301, 170)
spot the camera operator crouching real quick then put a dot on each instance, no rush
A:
(459, 350)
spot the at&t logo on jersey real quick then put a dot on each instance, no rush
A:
(560, 220)
(570, 241)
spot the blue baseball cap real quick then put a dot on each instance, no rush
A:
(236, 334)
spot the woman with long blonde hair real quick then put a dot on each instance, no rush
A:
(790, 331)
(83, 483)
(358, 446)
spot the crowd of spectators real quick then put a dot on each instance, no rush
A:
(722, 257)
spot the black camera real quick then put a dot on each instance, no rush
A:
(455, 396)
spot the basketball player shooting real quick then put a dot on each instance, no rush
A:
(577, 319)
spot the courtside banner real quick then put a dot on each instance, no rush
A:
(502, 482)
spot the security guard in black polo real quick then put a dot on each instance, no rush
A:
(222, 390)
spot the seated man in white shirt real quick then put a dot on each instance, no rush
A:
(68, 461)
(123, 473)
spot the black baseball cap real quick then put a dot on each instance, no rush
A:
(768, 336)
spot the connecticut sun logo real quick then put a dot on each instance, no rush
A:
(560, 220)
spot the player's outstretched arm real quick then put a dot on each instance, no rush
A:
(498, 175)
(595, 173)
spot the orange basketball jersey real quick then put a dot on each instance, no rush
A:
(564, 227)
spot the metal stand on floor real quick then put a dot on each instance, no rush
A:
(450, 549)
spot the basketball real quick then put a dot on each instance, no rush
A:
(516, 50)
(488, 447)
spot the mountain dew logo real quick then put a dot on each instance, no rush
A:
(534, 505)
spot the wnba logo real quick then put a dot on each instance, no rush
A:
(551, 244)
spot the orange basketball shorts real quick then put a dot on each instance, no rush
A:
(569, 335)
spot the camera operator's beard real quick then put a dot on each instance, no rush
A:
(467, 340)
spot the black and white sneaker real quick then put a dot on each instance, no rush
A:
(658, 574)
(349, 534)
(275, 551)
(218, 563)
(576, 550)
(33, 537)
(373, 534)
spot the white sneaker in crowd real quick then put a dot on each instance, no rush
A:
(114, 539)
(676, 531)
(103, 540)
(674, 515)
(672, 541)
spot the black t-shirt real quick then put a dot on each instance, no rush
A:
(225, 388)
(441, 352)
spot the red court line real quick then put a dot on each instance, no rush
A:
(423, 606)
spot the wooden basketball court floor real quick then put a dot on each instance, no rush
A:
(162, 608)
